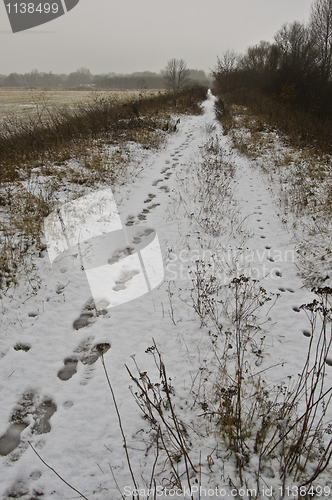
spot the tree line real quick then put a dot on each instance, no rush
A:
(83, 78)
(296, 69)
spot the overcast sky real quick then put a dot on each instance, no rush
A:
(137, 35)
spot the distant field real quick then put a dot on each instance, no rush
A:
(27, 103)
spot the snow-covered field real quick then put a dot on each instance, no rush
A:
(54, 391)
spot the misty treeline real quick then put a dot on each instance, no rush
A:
(83, 77)
(295, 71)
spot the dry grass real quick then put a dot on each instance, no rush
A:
(301, 128)
(29, 103)
(61, 132)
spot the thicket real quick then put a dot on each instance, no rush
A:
(289, 81)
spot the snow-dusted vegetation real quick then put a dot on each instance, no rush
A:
(216, 382)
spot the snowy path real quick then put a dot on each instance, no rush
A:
(54, 390)
(274, 256)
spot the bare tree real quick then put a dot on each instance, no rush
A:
(297, 53)
(227, 63)
(142, 85)
(176, 74)
(226, 71)
(320, 25)
(257, 57)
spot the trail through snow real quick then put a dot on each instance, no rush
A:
(53, 386)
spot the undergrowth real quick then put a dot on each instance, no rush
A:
(302, 128)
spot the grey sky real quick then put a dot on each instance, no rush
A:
(138, 35)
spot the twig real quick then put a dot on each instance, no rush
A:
(171, 462)
(171, 312)
(101, 469)
(176, 423)
(200, 475)
(175, 433)
(156, 459)
(116, 483)
(120, 422)
(55, 472)
(319, 470)
(300, 418)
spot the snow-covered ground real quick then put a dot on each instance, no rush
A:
(54, 392)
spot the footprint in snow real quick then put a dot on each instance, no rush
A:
(22, 487)
(120, 254)
(154, 205)
(69, 369)
(120, 283)
(87, 353)
(150, 198)
(135, 237)
(20, 346)
(85, 319)
(130, 220)
(87, 316)
(142, 234)
(19, 489)
(155, 183)
(28, 406)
